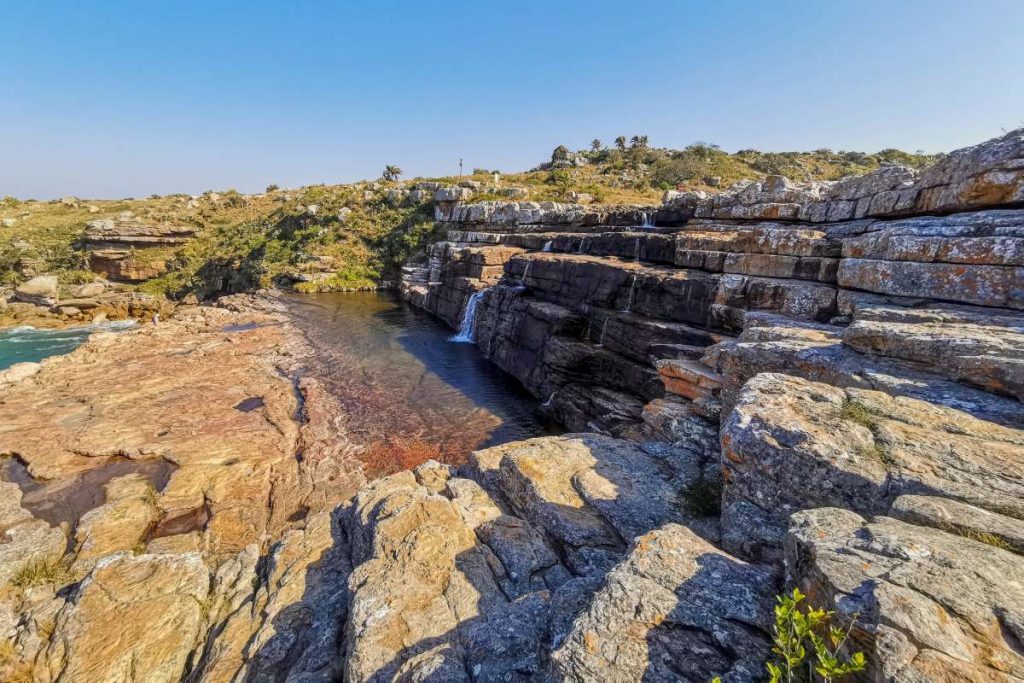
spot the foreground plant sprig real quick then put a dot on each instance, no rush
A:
(800, 629)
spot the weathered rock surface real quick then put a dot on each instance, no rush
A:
(791, 444)
(133, 618)
(929, 605)
(674, 596)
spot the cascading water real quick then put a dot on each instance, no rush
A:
(629, 299)
(647, 222)
(547, 246)
(636, 250)
(526, 273)
(600, 340)
(468, 327)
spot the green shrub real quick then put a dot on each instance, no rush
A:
(807, 646)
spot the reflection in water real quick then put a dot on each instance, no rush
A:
(397, 375)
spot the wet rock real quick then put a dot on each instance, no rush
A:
(676, 608)
(929, 605)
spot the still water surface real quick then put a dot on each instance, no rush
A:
(397, 373)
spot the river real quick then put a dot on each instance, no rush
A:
(399, 376)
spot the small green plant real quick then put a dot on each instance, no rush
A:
(854, 411)
(807, 645)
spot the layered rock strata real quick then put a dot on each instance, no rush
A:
(126, 249)
(765, 425)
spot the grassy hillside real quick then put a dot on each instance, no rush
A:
(353, 236)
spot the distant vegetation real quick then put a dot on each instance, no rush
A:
(354, 236)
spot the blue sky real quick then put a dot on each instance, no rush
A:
(115, 99)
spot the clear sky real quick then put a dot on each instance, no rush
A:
(113, 98)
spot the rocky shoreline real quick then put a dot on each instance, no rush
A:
(778, 386)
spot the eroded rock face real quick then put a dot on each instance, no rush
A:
(929, 605)
(791, 444)
(673, 596)
(175, 393)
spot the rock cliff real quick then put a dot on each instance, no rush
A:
(783, 385)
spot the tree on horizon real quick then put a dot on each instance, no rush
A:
(392, 172)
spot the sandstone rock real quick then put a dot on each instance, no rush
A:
(674, 596)
(981, 285)
(962, 519)
(120, 524)
(235, 474)
(18, 372)
(40, 290)
(452, 194)
(791, 444)
(25, 540)
(928, 605)
(772, 343)
(132, 618)
(979, 238)
(984, 349)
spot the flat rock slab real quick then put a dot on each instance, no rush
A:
(983, 349)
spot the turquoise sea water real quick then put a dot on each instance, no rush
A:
(25, 344)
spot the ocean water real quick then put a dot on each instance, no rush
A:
(27, 344)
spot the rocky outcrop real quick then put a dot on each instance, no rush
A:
(127, 249)
(594, 304)
(929, 605)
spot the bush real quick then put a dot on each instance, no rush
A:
(800, 631)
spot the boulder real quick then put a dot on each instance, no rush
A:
(40, 290)
(676, 608)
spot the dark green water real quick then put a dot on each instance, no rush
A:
(27, 344)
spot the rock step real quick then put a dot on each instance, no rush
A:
(710, 300)
(688, 378)
(773, 343)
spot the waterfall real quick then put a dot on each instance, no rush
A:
(547, 246)
(636, 251)
(600, 340)
(468, 326)
(526, 273)
(582, 242)
(629, 300)
(648, 222)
